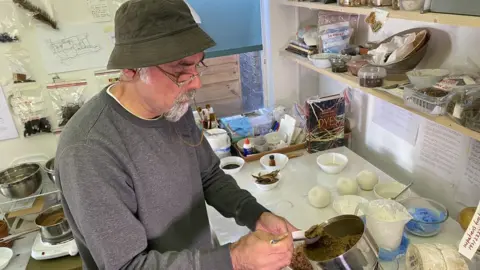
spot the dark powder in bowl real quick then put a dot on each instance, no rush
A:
(230, 166)
(329, 247)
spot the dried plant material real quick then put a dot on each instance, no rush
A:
(37, 13)
(314, 231)
(266, 179)
(299, 260)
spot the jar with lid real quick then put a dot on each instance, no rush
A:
(411, 5)
(372, 76)
(379, 3)
(339, 63)
(353, 3)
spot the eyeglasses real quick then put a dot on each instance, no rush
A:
(200, 67)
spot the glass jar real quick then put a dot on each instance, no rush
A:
(395, 4)
(379, 3)
(371, 76)
(353, 3)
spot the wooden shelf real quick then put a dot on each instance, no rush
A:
(449, 19)
(353, 82)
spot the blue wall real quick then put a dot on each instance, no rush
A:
(235, 25)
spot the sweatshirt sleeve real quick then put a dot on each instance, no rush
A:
(221, 190)
(100, 201)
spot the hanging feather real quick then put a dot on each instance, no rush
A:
(38, 13)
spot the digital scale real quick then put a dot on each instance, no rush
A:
(45, 251)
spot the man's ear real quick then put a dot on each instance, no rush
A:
(129, 73)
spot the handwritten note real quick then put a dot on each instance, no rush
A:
(441, 151)
(470, 241)
(468, 188)
(398, 121)
(7, 126)
(100, 10)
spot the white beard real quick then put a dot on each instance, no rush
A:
(180, 107)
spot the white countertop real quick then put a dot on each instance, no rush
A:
(289, 198)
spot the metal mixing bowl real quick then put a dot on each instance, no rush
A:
(50, 169)
(20, 181)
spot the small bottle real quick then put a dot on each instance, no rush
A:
(247, 148)
(271, 161)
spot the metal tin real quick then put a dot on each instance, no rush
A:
(364, 255)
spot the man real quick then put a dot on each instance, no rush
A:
(135, 171)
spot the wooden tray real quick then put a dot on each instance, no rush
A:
(284, 150)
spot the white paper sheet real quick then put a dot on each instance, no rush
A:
(100, 10)
(398, 121)
(468, 188)
(7, 126)
(74, 47)
(441, 151)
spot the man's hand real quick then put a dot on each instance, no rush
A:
(274, 224)
(255, 252)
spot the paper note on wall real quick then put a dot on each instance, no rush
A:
(397, 121)
(468, 188)
(471, 239)
(100, 10)
(74, 47)
(7, 126)
(441, 151)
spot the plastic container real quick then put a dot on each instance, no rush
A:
(464, 107)
(411, 5)
(428, 100)
(370, 76)
(386, 220)
(355, 65)
(353, 3)
(428, 216)
(339, 64)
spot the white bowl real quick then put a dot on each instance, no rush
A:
(423, 78)
(321, 60)
(267, 186)
(275, 138)
(346, 205)
(231, 160)
(390, 190)
(6, 255)
(325, 162)
(280, 161)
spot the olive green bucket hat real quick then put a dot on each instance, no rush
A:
(155, 32)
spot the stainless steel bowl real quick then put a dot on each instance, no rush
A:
(50, 169)
(54, 232)
(363, 255)
(20, 181)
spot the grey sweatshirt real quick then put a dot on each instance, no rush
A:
(134, 192)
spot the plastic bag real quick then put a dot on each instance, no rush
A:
(107, 77)
(8, 23)
(335, 31)
(29, 106)
(35, 11)
(67, 98)
(19, 64)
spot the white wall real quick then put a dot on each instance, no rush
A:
(449, 47)
(66, 12)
